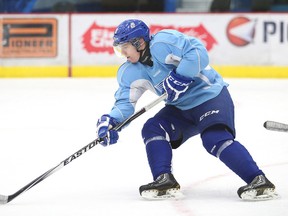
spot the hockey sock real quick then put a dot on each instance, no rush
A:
(159, 155)
(239, 160)
(219, 142)
(159, 152)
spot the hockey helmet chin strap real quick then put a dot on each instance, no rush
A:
(145, 55)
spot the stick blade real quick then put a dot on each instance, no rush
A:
(276, 126)
(3, 199)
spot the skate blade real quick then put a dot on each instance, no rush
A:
(268, 194)
(170, 194)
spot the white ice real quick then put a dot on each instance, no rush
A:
(43, 121)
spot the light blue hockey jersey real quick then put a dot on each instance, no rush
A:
(169, 49)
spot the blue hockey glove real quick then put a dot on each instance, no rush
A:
(104, 130)
(175, 85)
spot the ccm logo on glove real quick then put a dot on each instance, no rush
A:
(175, 85)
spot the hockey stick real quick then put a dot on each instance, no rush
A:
(7, 198)
(276, 126)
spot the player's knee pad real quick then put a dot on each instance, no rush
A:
(216, 139)
(156, 129)
(159, 129)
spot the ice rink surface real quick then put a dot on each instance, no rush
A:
(43, 121)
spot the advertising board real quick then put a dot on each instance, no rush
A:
(80, 45)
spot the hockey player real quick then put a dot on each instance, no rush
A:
(198, 102)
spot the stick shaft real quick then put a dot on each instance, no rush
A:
(5, 199)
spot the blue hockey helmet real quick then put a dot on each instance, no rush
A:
(131, 30)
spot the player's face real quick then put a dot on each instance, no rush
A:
(128, 51)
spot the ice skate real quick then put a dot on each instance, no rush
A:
(164, 187)
(259, 189)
